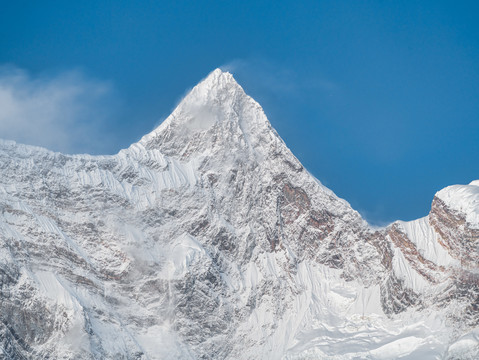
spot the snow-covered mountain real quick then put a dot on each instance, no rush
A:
(208, 239)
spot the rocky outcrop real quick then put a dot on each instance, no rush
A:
(456, 235)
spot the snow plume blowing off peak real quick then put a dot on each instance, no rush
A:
(208, 239)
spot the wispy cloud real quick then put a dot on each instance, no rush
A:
(63, 112)
(373, 217)
(267, 75)
(279, 79)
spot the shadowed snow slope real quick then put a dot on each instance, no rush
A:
(208, 239)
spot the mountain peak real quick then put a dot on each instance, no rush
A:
(217, 107)
(218, 78)
(214, 90)
(201, 106)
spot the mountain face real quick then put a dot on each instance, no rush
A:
(208, 239)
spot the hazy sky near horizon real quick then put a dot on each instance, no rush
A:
(379, 100)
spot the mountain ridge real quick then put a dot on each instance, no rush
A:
(209, 239)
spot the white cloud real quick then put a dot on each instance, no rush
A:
(63, 112)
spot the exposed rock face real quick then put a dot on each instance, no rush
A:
(208, 239)
(459, 237)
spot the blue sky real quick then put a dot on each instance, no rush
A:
(379, 100)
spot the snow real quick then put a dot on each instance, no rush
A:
(197, 111)
(404, 271)
(465, 347)
(464, 199)
(425, 238)
(162, 343)
(52, 288)
(180, 255)
(165, 249)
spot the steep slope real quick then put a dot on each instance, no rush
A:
(208, 239)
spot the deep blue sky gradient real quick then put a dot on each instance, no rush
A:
(379, 100)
